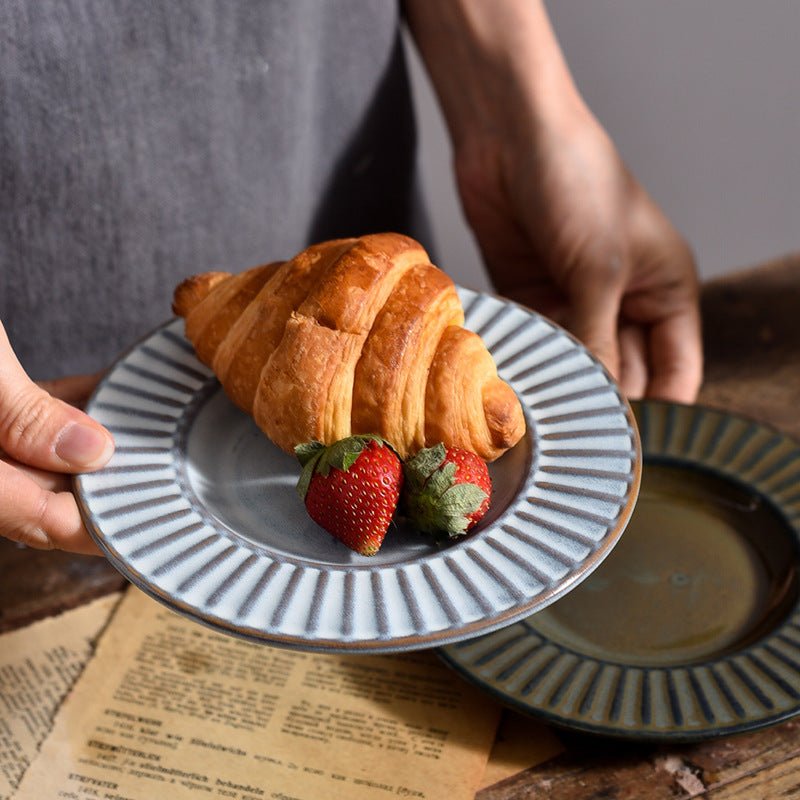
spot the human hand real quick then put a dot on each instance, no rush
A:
(44, 439)
(566, 229)
(562, 224)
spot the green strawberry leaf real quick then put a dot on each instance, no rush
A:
(316, 457)
(419, 468)
(462, 500)
(453, 526)
(343, 454)
(306, 451)
(434, 502)
(309, 468)
(441, 480)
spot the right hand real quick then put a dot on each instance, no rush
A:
(43, 440)
(566, 229)
(562, 225)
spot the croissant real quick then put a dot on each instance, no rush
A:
(359, 335)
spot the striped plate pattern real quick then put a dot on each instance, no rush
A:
(198, 509)
(756, 685)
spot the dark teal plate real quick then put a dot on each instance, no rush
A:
(690, 629)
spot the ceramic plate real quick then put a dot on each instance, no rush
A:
(199, 509)
(691, 628)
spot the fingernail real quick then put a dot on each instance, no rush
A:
(83, 446)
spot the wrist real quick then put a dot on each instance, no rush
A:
(497, 68)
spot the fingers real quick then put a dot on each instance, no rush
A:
(660, 359)
(659, 356)
(593, 316)
(42, 431)
(676, 358)
(662, 362)
(41, 438)
(39, 518)
(51, 481)
(633, 371)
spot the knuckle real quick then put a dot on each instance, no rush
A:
(34, 530)
(23, 422)
(605, 265)
(31, 535)
(612, 269)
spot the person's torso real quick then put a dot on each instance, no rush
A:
(141, 142)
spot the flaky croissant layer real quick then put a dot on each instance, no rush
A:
(352, 336)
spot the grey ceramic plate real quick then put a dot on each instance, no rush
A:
(198, 508)
(691, 628)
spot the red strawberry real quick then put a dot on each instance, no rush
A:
(447, 490)
(351, 489)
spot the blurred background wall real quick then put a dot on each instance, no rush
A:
(702, 100)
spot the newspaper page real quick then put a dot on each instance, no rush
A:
(38, 666)
(170, 708)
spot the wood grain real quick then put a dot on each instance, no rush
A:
(38, 583)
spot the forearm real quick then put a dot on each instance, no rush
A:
(495, 65)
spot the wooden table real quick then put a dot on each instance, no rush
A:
(752, 333)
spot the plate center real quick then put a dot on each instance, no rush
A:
(704, 567)
(248, 486)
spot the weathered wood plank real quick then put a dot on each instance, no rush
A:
(751, 326)
(38, 583)
(582, 776)
(778, 781)
(719, 761)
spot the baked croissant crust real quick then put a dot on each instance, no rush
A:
(359, 335)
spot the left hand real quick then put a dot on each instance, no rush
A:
(37, 456)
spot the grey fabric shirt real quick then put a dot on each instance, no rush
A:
(143, 141)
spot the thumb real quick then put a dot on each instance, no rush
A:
(42, 431)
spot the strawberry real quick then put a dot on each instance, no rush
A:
(351, 489)
(447, 490)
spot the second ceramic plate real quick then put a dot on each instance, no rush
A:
(691, 628)
(199, 509)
